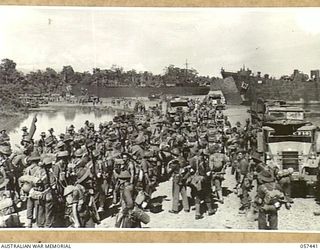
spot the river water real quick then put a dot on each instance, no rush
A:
(59, 120)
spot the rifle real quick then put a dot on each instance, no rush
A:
(167, 151)
(54, 195)
(197, 134)
(131, 157)
(93, 170)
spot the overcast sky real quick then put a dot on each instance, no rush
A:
(273, 41)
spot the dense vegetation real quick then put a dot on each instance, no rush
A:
(51, 80)
(14, 82)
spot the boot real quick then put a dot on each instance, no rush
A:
(29, 223)
(243, 210)
(198, 217)
(220, 197)
(211, 210)
(316, 213)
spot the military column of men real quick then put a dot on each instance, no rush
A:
(73, 176)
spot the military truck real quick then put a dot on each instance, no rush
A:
(179, 104)
(292, 144)
(263, 111)
(216, 98)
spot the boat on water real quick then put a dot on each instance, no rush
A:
(297, 87)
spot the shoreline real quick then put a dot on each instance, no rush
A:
(55, 106)
(9, 121)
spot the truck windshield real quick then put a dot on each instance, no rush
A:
(292, 115)
(216, 97)
(290, 138)
(279, 115)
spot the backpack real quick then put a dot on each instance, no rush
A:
(83, 195)
(272, 196)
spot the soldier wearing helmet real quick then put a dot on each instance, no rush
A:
(269, 199)
(52, 136)
(284, 179)
(200, 181)
(179, 177)
(217, 164)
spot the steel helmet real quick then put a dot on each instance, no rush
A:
(176, 151)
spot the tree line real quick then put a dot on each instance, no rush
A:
(51, 81)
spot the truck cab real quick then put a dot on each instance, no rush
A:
(179, 104)
(292, 144)
(216, 98)
(263, 111)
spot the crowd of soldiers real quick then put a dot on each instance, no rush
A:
(66, 180)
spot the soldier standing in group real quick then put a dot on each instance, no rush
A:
(49, 146)
(46, 199)
(128, 166)
(69, 144)
(29, 186)
(269, 198)
(4, 137)
(284, 179)
(70, 131)
(120, 166)
(101, 183)
(150, 170)
(9, 203)
(200, 182)
(81, 158)
(27, 146)
(6, 165)
(244, 183)
(91, 130)
(179, 186)
(126, 198)
(25, 132)
(239, 128)
(60, 170)
(138, 148)
(42, 142)
(86, 126)
(61, 137)
(80, 199)
(217, 164)
(59, 147)
(52, 136)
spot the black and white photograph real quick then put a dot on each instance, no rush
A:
(119, 118)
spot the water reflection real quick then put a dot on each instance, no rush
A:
(59, 120)
(17, 127)
(69, 115)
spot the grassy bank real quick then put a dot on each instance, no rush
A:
(10, 120)
(12, 111)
